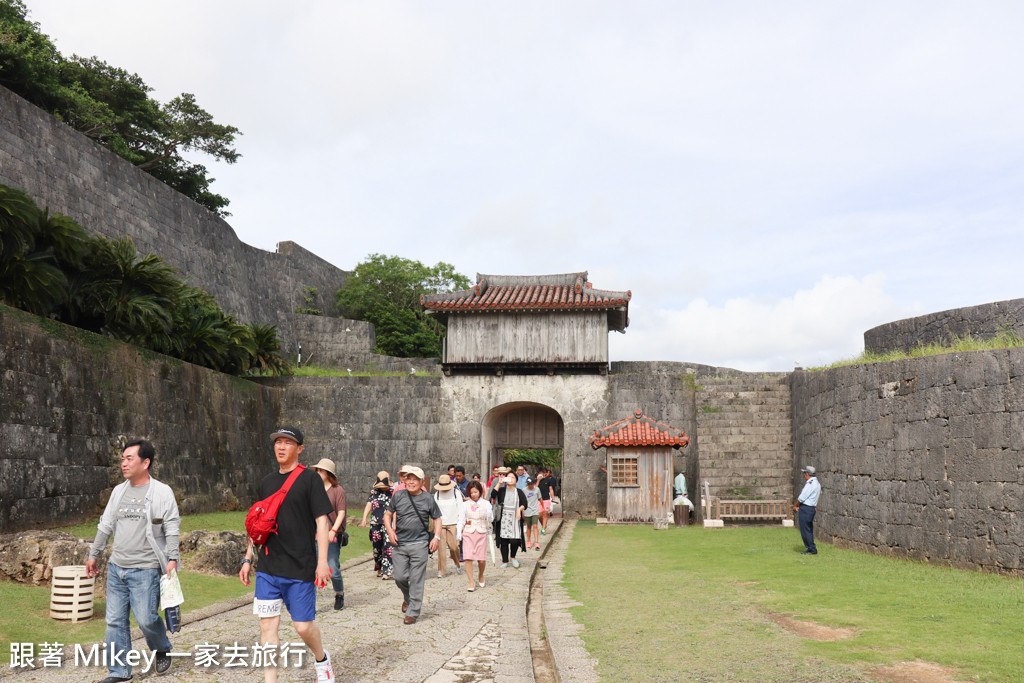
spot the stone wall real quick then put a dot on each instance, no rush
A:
(67, 172)
(981, 322)
(367, 424)
(69, 399)
(347, 344)
(921, 457)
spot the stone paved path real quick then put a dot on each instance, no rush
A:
(460, 637)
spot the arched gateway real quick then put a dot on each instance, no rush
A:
(518, 425)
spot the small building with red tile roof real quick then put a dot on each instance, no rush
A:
(639, 466)
(529, 324)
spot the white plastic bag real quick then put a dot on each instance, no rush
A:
(170, 590)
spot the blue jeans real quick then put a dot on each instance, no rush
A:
(137, 590)
(806, 515)
(334, 562)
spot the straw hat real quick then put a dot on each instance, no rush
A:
(327, 466)
(504, 470)
(383, 480)
(444, 483)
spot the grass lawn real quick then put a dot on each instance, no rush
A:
(25, 609)
(696, 604)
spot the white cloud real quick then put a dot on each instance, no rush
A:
(813, 326)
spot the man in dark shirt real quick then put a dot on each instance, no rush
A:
(407, 520)
(291, 567)
(460, 479)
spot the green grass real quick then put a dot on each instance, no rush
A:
(697, 601)
(317, 371)
(1004, 340)
(24, 609)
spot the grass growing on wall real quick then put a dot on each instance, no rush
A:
(698, 604)
(317, 371)
(1004, 340)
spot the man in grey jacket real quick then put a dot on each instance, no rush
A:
(142, 514)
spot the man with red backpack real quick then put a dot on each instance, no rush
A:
(291, 567)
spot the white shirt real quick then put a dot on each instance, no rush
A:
(810, 493)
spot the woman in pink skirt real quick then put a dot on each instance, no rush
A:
(472, 532)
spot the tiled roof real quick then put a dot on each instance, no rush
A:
(568, 291)
(639, 430)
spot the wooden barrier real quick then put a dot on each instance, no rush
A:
(716, 508)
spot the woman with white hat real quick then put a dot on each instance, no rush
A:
(449, 500)
(325, 468)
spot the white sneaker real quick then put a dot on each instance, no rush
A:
(324, 670)
(515, 563)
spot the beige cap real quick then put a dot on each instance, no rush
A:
(414, 471)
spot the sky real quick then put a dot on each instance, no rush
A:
(769, 180)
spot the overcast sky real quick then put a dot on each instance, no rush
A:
(768, 179)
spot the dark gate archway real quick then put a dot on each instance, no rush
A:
(518, 425)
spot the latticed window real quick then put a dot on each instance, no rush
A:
(624, 472)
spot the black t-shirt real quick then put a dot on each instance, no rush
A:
(547, 487)
(291, 552)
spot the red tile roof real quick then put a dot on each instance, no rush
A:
(639, 430)
(568, 291)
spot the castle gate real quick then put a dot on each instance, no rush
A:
(519, 424)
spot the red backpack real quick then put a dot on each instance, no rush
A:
(262, 518)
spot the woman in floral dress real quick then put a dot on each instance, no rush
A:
(374, 510)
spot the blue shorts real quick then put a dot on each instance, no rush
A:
(273, 591)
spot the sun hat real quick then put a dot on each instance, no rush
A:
(327, 466)
(504, 470)
(289, 432)
(444, 483)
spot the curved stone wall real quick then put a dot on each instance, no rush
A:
(921, 457)
(981, 322)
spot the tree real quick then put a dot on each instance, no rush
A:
(118, 293)
(386, 290)
(114, 107)
(36, 250)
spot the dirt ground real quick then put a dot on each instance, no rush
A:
(901, 672)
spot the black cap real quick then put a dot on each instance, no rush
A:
(531, 480)
(289, 432)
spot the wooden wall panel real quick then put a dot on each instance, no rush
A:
(653, 497)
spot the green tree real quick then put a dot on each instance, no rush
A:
(386, 290)
(36, 249)
(114, 107)
(121, 294)
(534, 457)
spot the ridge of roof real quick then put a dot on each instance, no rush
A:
(639, 430)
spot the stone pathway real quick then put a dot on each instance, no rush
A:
(573, 661)
(460, 637)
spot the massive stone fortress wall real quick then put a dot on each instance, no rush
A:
(69, 399)
(981, 322)
(367, 424)
(921, 457)
(66, 172)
